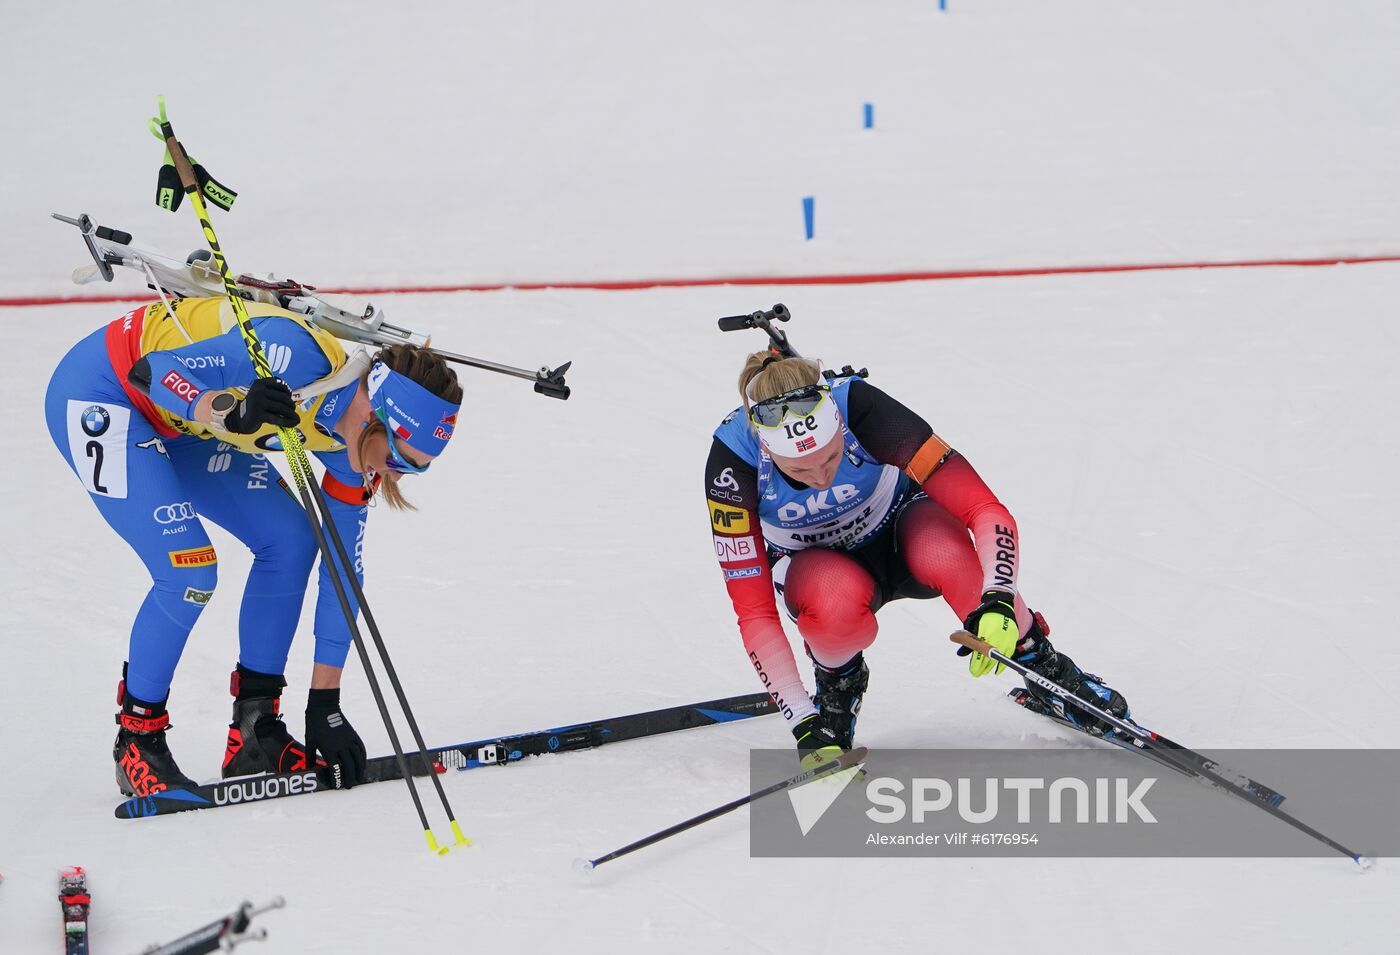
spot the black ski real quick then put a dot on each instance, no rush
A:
(1256, 790)
(73, 898)
(500, 751)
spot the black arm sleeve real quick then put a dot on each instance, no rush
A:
(140, 376)
(731, 479)
(883, 426)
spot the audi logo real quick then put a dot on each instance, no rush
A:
(171, 513)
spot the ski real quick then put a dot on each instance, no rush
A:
(1256, 790)
(498, 751)
(74, 900)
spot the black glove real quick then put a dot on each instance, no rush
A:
(329, 734)
(269, 401)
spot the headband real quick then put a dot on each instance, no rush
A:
(412, 412)
(798, 437)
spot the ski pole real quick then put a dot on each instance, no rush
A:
(224, 934)
(845, 761)
(373, 628)
(1149, 739)
(291, 446)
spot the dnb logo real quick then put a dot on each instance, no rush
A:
(734, 550)
(95, 421)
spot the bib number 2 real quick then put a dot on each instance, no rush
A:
(97, 435)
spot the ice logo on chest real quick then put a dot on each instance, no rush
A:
(815, 505)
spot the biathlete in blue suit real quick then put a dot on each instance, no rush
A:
(162, 419)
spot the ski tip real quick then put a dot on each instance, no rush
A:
(583, 865)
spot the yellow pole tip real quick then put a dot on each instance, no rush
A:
(457, 831)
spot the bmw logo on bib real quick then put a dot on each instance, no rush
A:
(96, 420)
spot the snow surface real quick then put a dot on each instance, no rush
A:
(1201, 462)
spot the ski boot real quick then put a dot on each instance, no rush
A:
(258, 741)
(829, 732)
(143, 761)
(1035, 651)
(837, 699)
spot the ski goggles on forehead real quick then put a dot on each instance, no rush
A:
(394, 460)
(799, 403)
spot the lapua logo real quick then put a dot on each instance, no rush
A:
(815, 504)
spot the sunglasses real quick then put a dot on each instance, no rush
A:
(395, 461)
(800, 402)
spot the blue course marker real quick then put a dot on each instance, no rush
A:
(809, 211)
(869, 115)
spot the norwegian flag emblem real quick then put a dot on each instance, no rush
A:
(806, 444)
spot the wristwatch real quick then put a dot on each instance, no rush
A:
(220, 408)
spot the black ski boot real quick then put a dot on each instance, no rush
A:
(1035, 651)
(143, 761)
(258, 741)
(837, 699)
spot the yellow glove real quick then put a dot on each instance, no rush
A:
(995, 622)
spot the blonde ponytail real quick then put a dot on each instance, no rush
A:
(765, 376)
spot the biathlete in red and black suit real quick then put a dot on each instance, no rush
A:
(839, 499)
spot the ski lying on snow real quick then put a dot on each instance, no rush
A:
(500, 751)
(1256, 790)
(73, 898)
